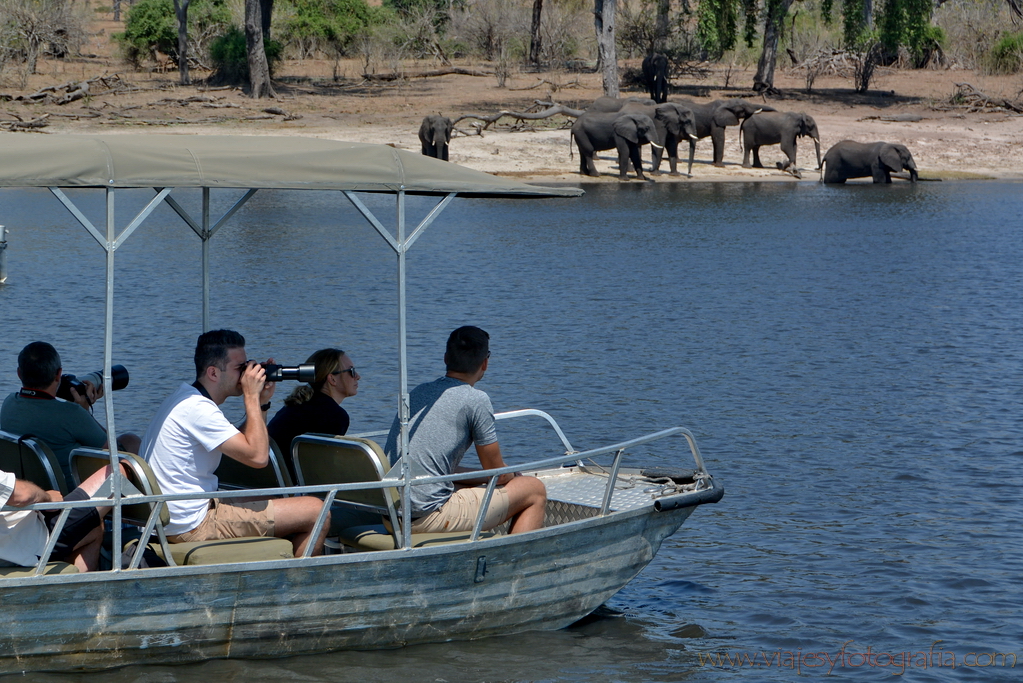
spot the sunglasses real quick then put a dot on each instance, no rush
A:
(350, 371)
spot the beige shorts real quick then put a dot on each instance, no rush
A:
(231, 520)
(459, 513)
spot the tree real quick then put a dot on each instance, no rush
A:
(775, 12)
(607, 57)
(181, 12)
(259, 70)
(534, 33)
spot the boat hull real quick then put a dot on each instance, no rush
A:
(542, 580)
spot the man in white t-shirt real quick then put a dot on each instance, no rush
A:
(189, 435)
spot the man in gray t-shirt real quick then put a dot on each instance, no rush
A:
(447, 416)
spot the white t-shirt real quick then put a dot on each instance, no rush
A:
(22, 534)
(181, 445)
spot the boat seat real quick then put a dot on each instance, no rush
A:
(29, 458)
(85, 461)
(377, 537)
(325, 459)
(234, 475)
(51, 569)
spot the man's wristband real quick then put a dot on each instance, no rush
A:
(265, 407)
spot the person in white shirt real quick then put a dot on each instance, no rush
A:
(186, 440)
(23, 534)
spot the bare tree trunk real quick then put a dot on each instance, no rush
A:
(117, 10)
(181, 11)
(267, 7)
(259, 70)
(534, 33)
(661, 25)
(607, 56)
(773, 26)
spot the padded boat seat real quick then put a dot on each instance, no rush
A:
(249, 549)
(51, 568)
(377, 537)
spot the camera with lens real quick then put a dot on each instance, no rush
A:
(118, 377)
(280, 373)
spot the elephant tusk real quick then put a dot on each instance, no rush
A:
(693, 137)
(655, 145)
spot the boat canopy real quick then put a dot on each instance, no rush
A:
(247, 162)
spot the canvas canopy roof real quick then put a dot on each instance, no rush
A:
(239, 161)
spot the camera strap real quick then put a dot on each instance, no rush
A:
(201, 389)
(36, 394)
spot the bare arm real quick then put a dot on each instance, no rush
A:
(252, 445)
(27, 493)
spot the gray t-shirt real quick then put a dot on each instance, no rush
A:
(447, 416)
(63, 425)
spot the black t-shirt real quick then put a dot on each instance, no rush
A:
(319, 415)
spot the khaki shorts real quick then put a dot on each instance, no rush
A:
(459, 513)
(231, 520)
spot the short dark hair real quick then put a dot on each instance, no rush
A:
(38, 364)
(211, 349)
(467, 348)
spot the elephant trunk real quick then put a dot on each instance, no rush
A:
(912, 175)
(817, 146)
(692, 153)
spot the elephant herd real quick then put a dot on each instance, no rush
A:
(628, 124)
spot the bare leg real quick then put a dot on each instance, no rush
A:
(129, 443)
(294, 518)
(527, 502)
(85, 556)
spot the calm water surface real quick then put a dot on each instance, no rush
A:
(848, 357)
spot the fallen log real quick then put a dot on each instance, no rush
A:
(427, 74)
(34, 124)
(552, 110)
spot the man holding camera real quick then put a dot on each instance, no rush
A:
(447, 416)
(62, 425)
(186, 440)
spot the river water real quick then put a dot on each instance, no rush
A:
(848, 357)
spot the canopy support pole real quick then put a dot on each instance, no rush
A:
(401, 246)
(205, 259)
(108, 388)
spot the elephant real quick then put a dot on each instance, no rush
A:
(673, 123)
(778, 127)
(712, 119)
(435, 134)
(655, 75)
(612, 104)
(594, 131)
(851, 159)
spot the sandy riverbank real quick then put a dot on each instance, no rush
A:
(947, 142)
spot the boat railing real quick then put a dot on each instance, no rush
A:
(702, 481)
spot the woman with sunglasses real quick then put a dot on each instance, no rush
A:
(316, 407)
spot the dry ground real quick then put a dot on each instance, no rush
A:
(946, 142)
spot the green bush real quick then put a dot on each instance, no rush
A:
(1006, 56)
(230, 57)
(151, 25)
(330, 25)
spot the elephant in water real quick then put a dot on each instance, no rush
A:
(850, 159)
(778, 128)
(595, 131)
(712, 119)
(673, 123)
(435, 134)
(655, 75)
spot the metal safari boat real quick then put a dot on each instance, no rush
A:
(606, 516)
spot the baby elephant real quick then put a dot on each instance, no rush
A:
(625, 132)
(778, 128)
(850, 159)
(435, 134)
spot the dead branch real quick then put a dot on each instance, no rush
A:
(427, 74)
(551, 110)
(968, 98)
(554, 86)
(34, 124)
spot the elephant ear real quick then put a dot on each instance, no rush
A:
(625, 127)
(448, 127)
(725, 117)
(890, 157)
